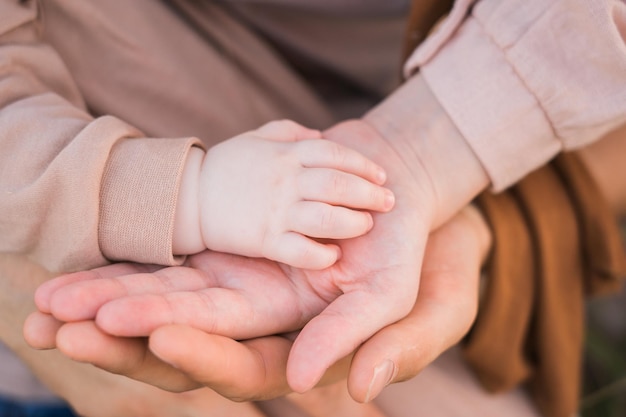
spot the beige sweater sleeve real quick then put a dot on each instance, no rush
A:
(525, 79)
(75, 191)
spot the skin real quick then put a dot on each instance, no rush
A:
(444, 308)
(380, 269)
(268, 192)
(180, 357)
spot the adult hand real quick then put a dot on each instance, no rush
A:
(234, 297)
(90, 391)
(440, 317)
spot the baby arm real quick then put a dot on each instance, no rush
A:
(272, 191)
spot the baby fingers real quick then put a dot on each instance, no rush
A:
(327, 154)
(343, 189)
(287, 131)
(301, 252)
(320, 220)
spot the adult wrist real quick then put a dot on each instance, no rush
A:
(417, 127)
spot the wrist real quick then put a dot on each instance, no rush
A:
(187, 238)
(423, 135)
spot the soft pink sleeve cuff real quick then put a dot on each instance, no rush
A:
(494, 111)
(138, 199)
(524, 79)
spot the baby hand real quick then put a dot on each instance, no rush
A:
(273, 191)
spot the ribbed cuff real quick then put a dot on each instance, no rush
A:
(138, 199)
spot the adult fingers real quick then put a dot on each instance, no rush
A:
(84, 342)
(242, 371)
(79, 296)
(442, 315)
(250, 370)
(198, 309)
(334, 333)
(228, 312)
(44, 291)
(40, 330)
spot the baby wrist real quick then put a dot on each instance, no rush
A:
(187, 235)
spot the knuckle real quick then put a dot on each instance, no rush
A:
(327, 220)
(340, 154)
(338, 184)
(377, 197)
(289, 125)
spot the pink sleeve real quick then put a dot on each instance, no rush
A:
(75, 191)
(525, 79)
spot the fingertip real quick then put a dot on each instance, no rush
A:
(390, 200)
(300, 251)
(44, 292)
(63, 306)
(302, 369)
(376, 365)
(370, 222)
(42, 297)
(299, 382)
(338, 252)
(383, 375)
(72, 340)
(160, 343)
(40, 330)
(381, 176)
(114, 318)
(327, 259)
(107, 322)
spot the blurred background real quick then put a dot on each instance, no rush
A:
(604, 391)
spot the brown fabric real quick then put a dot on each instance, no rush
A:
(555, 240)
(504, 317)
(603, 251)
(423, 16)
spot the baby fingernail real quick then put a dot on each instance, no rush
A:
(383, 374)
(381, 176)
(390, 200)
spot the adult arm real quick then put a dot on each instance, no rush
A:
(523, 80)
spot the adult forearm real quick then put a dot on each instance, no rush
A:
(423, 135)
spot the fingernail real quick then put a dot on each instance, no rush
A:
(383, 374)
(390, 200)
(381, 176)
